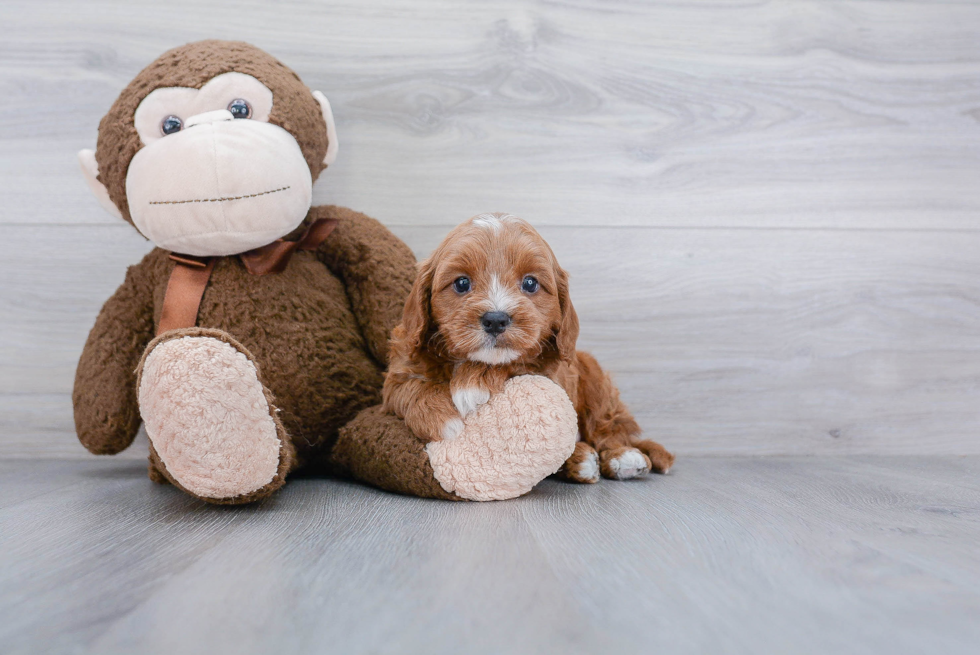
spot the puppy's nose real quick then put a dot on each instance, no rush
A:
(495, 322)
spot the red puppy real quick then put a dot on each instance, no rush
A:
(491, 303)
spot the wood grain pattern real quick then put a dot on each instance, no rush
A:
(768, 209)
(722, 341)
(725, 555)
(804, 114)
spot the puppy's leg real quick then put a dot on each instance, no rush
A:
(582, 466)
(660, 458)
(472, 385)
(607, 425)
(426, 407)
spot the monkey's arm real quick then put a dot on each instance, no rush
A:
(106, 412)
(377, 268)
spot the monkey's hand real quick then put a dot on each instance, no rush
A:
(106, 411)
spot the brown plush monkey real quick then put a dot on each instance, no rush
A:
(258, 326)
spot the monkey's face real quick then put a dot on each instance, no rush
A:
(214, 177)
(212, 165)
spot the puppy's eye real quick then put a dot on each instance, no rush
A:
(171, 124)
(240, 108)
(461, 284)
(530, 284)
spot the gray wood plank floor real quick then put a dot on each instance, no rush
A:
(867, 554)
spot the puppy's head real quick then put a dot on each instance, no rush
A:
(492, 292)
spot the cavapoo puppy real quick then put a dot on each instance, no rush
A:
(491, 303)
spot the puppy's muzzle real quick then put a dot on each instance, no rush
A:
(494, 323)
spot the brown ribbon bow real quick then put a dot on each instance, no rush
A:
(191, 274)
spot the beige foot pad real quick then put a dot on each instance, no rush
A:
(511, 443)
(208, 418)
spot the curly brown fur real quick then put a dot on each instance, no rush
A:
(376, 447)
(443, 346)
(303, 326)
(318, 330)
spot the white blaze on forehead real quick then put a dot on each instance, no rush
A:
(488, 221)
(494, 221)
(501, 298)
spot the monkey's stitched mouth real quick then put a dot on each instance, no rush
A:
(184, 202)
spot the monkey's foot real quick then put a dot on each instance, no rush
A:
(509, 444)
(210, 420)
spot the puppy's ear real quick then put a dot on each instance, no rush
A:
(417, 317)
(566, 332)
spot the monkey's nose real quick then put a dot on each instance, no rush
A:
(208, 117)
(495, 322)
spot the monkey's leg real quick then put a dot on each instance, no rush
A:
(512, 442)
(211, 422)
(378, 448)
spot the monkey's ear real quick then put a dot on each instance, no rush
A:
(332, 143)
(90, 169)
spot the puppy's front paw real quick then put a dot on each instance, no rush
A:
(582, 466)
(468, 399)
(623, 463)
(451, 429)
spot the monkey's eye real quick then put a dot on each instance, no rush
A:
(171, 124)
(240, 108)
(529, 284)
(462, 284)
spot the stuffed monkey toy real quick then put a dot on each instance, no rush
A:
(258, 327)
